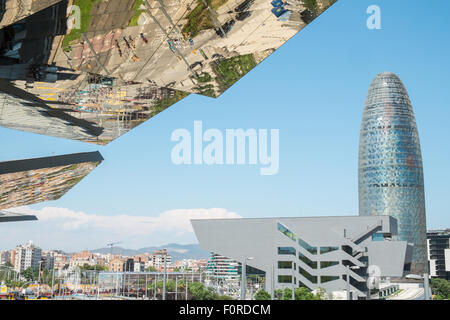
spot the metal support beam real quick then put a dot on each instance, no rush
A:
(168, 17)
(95, 53)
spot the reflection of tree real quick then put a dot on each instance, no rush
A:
(230, 70)
(312, 6)
(199, 18)
(163, 104)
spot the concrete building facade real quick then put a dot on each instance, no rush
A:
(316, 252)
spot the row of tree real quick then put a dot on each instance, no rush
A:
(195, 291)
(301, 293)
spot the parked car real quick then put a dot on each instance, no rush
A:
(195, 64)
(243, 15)
(226, 28)
(244, 6)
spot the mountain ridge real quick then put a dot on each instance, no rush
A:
(176, 250)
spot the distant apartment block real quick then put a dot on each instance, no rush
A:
(5, 257)
(161, 258)
(27, 256)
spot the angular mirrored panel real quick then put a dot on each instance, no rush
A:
(15, 217)
(12, 11)
(30, 181)
(115, 64)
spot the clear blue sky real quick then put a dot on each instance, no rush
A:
(312, 90)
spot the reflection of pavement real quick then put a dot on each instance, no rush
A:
(410, 294)
(100, 44)
(258, 33)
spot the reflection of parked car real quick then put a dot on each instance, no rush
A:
(244, 6)
(171, 46)
(195, 64)
(243, 15)
(226, 28)
(217, 56)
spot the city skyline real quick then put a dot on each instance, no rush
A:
(317, 113)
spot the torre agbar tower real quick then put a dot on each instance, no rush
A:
(390, 164)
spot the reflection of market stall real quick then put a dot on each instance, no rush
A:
(130, 60)
(29, 181)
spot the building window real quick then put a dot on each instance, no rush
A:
(284, 279)
(284, 264)
(312, 264)
(286, 250)
(286, 231)
(307, 247)
(308, 276)
(324, 250)
(377, 237)
(327, 264)
(325, 279)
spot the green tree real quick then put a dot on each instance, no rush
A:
(278, 293)
(28, 274)
(312, 6)
(151, 269)
(287, 294)
(200, 292)
(262, 295)
(304, 293)
(440, 288)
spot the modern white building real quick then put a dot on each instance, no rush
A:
(314, 252)
(222, 268)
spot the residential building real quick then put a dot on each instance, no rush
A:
(438, 245)
(139, 266)
(27, 256)
(4, 257)
(390, 164)
(116, 264)
(48, 260)
(128, 265)
(161, 258)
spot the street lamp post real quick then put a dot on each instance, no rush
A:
(53, 278)
(164, 278)
(426, 284)
(39, 278)
(244, 277)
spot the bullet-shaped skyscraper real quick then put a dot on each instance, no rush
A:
(390, 164)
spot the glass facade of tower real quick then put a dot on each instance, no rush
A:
(390, 164)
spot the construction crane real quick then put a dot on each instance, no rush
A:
(111, 245)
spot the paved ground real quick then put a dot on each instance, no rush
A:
(410, 294)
